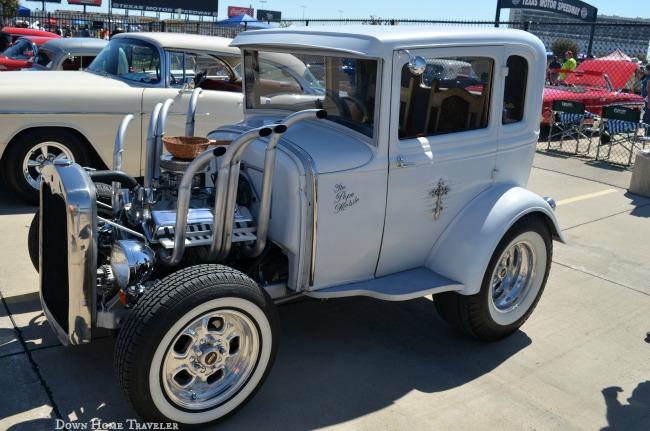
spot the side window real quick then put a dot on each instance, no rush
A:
(514, 93)
(71, 63)
(185, 65)
(452, 95)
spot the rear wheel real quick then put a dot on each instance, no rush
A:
(512, 285)
(197, 346)
(26, 158)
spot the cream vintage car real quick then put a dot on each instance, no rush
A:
(366, 182)
(75, 115)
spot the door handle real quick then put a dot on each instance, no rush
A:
(401, 163)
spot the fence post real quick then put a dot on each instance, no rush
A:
(591, 39)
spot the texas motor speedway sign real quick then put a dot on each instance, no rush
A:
(574, 8)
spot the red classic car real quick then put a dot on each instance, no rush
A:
(22, 53)
(596, 83)
(17, 32)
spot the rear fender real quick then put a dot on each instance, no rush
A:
(464, 250)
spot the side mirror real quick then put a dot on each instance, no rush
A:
(417, 64)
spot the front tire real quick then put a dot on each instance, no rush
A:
(197, 346)
(25, 159)
(511, 288)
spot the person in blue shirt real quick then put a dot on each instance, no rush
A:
(86, 31)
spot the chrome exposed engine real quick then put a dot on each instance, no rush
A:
(186, 212)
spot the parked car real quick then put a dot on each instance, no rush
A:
(595, 83)
(17, 32)
(325, 192)
(72, 53)
(22, 54)
(75, 115)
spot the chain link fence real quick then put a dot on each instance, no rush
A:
(609, 62)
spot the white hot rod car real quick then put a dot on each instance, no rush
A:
(365, 181)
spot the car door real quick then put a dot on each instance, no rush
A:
(443, 142)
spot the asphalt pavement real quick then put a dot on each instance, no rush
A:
(579, 363)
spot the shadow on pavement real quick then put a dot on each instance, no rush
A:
(641, 205)
(338, 360)
(11, 204)
(631, 415)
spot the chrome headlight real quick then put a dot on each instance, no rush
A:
(131, 262)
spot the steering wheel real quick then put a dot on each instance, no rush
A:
(199, 78)
(341, 105)
(351, 100)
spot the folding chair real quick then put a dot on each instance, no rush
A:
(568, 118)
(620, 132)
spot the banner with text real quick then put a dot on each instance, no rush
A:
(192, 7)
(574, 8)
(240, 10)
(86, 2)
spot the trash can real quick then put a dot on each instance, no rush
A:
(640, 182)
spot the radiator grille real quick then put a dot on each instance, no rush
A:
(54, 262)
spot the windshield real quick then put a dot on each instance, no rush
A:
(132, 60)
(343, 86)
(22, 49)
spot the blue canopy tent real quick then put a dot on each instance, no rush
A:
(23, 11)
(244, 20)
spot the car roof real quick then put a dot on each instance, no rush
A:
(76, 45)
(381, 41)
(185, 41)
(38, 40)
(29, 32)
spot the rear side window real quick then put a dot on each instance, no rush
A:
(514, 94)
(451, 96)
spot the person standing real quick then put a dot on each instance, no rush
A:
(635, 83)
(86, 31)
(552, 75)
(645, 87)
(5, 38)
(569, 63)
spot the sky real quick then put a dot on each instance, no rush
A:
(473, 10)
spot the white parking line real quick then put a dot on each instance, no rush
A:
(584, 197)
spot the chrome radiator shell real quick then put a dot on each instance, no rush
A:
(68, 256)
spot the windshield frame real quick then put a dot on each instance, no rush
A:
(162, 80)
(345, 76)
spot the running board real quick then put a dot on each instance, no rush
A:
(401, 286)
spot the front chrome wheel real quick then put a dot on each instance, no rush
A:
(197, 346)
(211, 359)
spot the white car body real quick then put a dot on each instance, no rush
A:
(395, 182)
(90, 107)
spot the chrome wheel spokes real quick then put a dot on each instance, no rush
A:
(211, 359)
(513, 276)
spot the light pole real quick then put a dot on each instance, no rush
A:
(303, 11)
(341, 12)
(263, 7)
